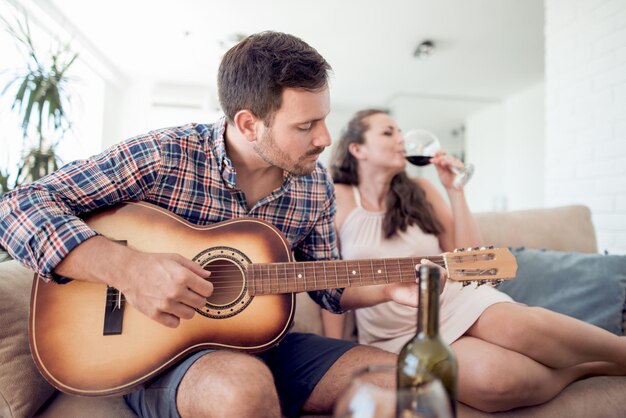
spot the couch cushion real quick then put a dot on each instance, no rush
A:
(590, 287)
(22, 389)
(600, 396)
(308, 316)
(69, 406)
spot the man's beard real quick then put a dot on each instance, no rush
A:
(272, 154)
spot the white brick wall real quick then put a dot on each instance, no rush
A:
(586, 112)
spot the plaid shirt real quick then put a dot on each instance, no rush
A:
(184, 170)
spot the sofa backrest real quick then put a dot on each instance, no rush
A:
(565, 228)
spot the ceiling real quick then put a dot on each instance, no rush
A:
(486, 50)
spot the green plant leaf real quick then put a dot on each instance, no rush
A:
(40, 99)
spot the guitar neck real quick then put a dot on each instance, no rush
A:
(274, 278)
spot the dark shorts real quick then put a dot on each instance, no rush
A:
(297, 363)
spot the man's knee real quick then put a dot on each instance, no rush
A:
(228, 384)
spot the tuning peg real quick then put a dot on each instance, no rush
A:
(466, 283)
(481, 282)
(491, 247)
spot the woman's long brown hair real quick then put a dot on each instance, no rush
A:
(406, 201)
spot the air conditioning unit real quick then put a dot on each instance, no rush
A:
(184, 96)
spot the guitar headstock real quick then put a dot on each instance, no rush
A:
(481, 265)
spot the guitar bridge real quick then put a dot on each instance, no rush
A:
(113, 312)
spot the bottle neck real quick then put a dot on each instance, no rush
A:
(428, 302)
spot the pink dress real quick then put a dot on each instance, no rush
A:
(390, 325)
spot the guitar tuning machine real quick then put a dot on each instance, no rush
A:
(494, 283)
(466, 283)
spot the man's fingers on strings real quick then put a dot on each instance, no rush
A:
(195, 267)
(200, 285)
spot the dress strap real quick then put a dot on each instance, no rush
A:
(357, 196)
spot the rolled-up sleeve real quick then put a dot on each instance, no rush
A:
(39, 222)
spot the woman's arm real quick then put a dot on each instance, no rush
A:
(460, 227)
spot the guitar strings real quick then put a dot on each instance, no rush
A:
(284, 271)
(287, 281)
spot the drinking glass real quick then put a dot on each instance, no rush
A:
(421, 145)
(370, 396)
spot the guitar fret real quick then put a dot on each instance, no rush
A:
(385, 270)
(399, 269)
(277, 278)
(347, 272)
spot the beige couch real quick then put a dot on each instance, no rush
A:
(23, 393)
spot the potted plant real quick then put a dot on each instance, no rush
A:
(41, 100)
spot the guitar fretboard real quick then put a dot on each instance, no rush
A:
(274, 278)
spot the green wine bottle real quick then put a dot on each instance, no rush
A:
(426, 355)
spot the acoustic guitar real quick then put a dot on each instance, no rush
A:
(85, 340)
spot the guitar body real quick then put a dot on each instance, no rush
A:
(66, 324)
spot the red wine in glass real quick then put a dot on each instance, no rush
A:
(419, 160)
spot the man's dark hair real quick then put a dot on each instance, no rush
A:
(254, 73)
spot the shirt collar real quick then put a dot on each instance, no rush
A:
(229, 174)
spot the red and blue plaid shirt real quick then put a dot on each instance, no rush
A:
(184, 170)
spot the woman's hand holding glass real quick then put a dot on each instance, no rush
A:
(423, 148)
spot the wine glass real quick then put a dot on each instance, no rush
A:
(421, 145)
(372, 394)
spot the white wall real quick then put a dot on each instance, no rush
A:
(485, 147)
(586, 112)
(506, 143)
(136, 106)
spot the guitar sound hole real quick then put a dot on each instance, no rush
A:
(228, 282)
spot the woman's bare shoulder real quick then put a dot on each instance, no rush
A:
(345, 203)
